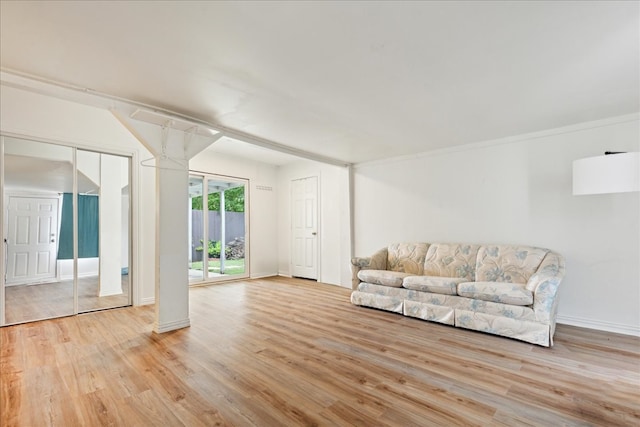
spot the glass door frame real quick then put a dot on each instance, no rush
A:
(206, 177)
(132, 224)
(4, 257)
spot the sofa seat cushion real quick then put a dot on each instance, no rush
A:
(437, 285)
(386, 291)
(502, 292)
(382, 277)
(461, 303)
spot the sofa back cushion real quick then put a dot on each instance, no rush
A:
(451, 260)
(406, 257)
(504, 263)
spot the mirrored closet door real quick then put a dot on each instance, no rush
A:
(103, 231)
(66, 230)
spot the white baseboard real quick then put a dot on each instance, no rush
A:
(285, 275)
(147, 301)
(262, 275)
(80, 275)
(171, 326)
(108, 294)
(599, 325)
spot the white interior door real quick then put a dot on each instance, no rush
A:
(31, 239)
(304, 251)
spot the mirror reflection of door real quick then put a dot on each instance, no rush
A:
(66, 243)
(31, 239)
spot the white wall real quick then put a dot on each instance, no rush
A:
(262, 205)
(519, 190)
(335, 242)
(86, 267)
(37, 116)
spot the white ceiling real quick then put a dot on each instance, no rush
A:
(356, 81)
(236, 148)
(24, 173)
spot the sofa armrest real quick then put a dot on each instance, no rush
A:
(377, 261)
(545, 296)
(544, 284)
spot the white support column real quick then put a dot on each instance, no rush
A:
(172, 149)
(172, 260)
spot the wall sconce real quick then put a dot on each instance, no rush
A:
(615, 172)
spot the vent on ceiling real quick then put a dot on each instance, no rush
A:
(172, 122)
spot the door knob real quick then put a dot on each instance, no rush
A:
(314, 233)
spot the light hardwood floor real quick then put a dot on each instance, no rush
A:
(287, 352)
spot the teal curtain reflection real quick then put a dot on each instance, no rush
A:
(88, 227)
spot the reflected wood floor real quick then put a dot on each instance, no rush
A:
(289, 352)
(45, 300)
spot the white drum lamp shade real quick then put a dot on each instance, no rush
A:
(611, 173)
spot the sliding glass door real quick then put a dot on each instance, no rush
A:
(66, 230)
(218, 207)
(196, 230)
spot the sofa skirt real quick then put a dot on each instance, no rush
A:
(532, 332)
(381, 302)
(509, 321)
(431, 312)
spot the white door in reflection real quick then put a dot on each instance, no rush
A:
(31, 240)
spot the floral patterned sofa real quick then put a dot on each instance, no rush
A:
(500, 289)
